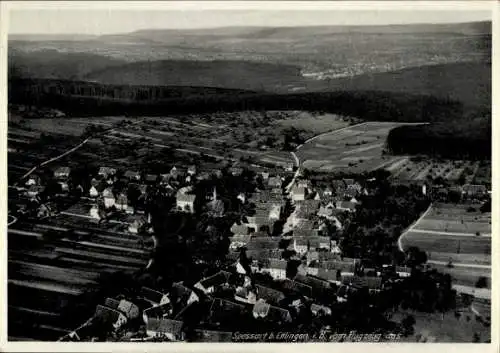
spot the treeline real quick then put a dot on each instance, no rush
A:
(458, 139)
(369, 105)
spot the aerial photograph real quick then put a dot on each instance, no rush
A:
(249, 175)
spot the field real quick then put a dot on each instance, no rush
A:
(352, 149)
(254, 139)
(449, 233)
(317, 124)
(53, 271)
(453, 171)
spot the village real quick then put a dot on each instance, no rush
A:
(284, 256)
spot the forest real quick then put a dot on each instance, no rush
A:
(456, 130)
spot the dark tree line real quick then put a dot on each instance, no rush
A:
(370, 105)
(455, 139)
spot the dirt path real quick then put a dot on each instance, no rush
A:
(410, 228)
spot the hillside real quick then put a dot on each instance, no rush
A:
(469, 83)
(224, 74)
(320, 51)
(56, 65)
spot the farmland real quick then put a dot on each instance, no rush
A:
(353, 149)
(252, 138)
(53, 265)
(449, 233)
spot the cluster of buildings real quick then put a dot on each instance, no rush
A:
(113, 192)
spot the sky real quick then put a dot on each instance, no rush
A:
(114, 20)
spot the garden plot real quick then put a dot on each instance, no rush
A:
(450, 233)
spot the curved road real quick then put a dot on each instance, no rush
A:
(14, 220)
(296, 158)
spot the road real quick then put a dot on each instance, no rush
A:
(296, 158)
(437, 232)
(444, 263)
(71, 150)
(55, 158)
(12, 220)
(410, 228)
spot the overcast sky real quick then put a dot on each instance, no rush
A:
(107, 21)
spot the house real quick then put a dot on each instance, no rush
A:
(258, 222)
(269, 295)
(339, 186)
(34, 191)
(129, 209)
(241, 196)
(374, 284)
(298, 287)
(151, 178)
(181, 295)
(275, 212)
(403, 271)
(32, 180)
(127, 308)
(317, 309)
(346, 267)
(96, 190)
(121, 202)
(239, 241)
(239, 229)
(110, 316)
(318, 285)
(95, 212)
(470, 190)
(245, 295)
(157, 312)
(271, 313)
(108, 198)
(345, 206)
(62, 173)
(64, 186)
(275, 268)
(203, 176)
(236, 171)
(153, 296)
(106, 172)
(212, 336)
(274, 182)
(298, 193)
(191, 170)
(165, 328)
(132, 175)
(264, 254)
(261, 243)
(185, 202)
(300, 245)
(136, 225)
(45, 210)
(174, 172)
(210, 284)
(329, 275)
(221, 309)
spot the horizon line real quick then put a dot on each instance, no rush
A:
(249, 26)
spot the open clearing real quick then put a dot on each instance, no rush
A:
(353, 149)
